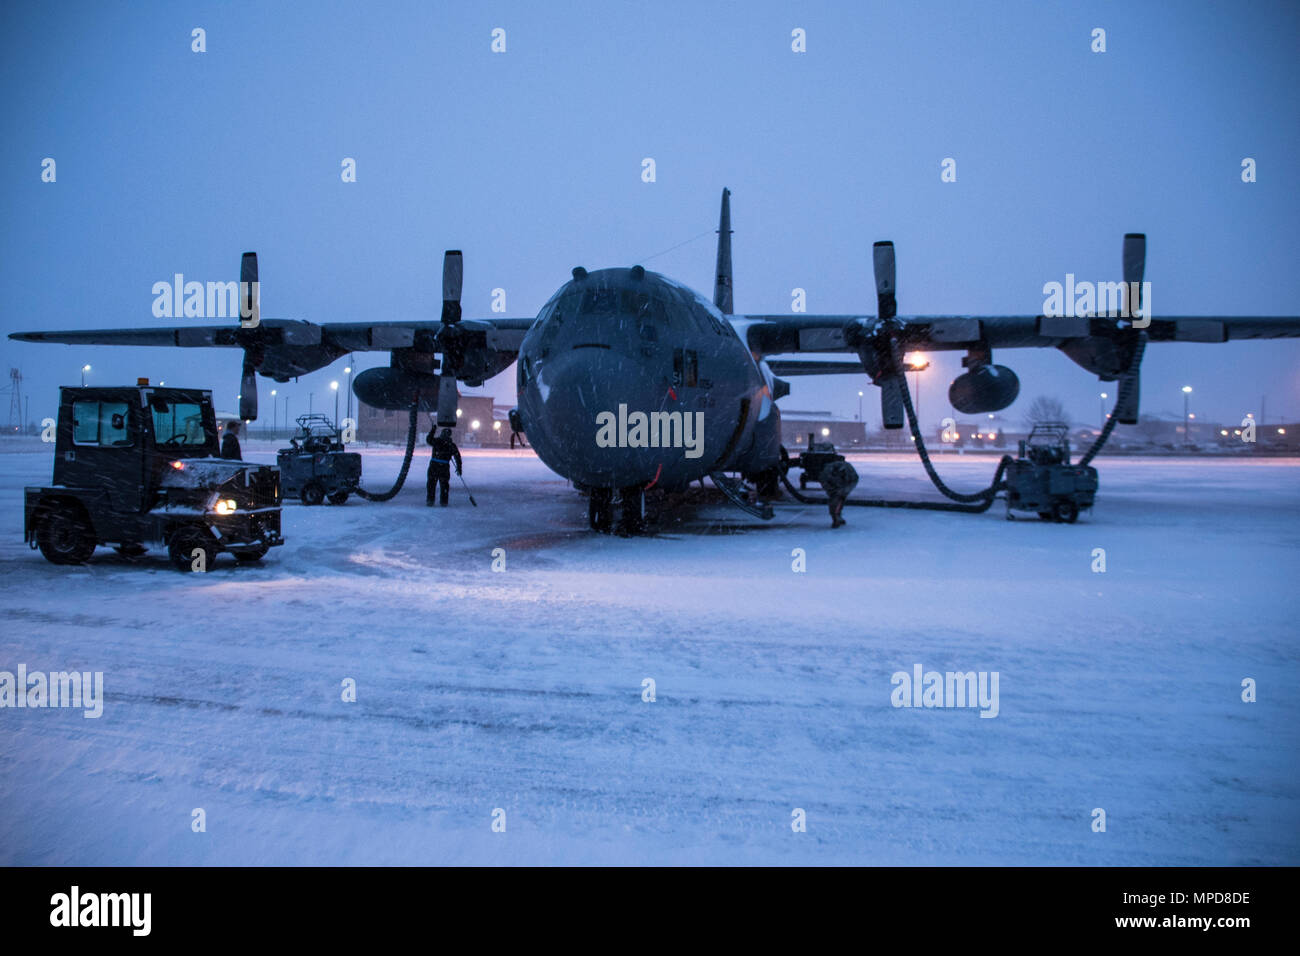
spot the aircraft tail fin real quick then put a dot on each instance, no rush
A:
(722, 280)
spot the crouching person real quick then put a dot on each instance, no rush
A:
(838, 479)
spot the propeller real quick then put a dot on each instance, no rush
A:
(250, 309)
(1134, 264)
(886, 374)
(448, 340)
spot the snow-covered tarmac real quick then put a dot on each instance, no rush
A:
(522, 689)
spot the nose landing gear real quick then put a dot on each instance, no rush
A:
(600, 510)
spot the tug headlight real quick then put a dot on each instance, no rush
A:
(224, 506)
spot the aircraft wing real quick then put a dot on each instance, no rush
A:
(501, 334)
(1110, 348)
(290, 347)
(781, 334)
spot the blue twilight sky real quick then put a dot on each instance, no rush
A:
(530, 161)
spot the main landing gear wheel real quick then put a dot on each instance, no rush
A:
(312, 493)
(600, 509)
(64, 537)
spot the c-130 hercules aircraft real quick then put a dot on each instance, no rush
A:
(628, 380)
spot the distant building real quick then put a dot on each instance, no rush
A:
(480, 423)
(843, 432)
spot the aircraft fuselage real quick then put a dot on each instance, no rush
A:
(629, 379)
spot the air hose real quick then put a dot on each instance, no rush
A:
(1125, 386)
(979, 501)
(406, 462)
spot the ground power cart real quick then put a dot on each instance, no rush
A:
(1042, 480)
(316, 466)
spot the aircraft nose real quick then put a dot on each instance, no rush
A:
(580, 391)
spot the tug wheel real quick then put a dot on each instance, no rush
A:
(338, 498)
(64, 537)
(1067, 512)
(185, 546)
(312, 493)
(251, 555)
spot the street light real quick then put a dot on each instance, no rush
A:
(859, 406)
(275, 408)
(1102, 415)
(334, 386)
(84, 370)
(1187, 415)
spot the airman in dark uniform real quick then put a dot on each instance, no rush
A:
(444, 453)
(838, 479)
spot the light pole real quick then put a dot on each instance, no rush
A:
(348, 372)
(1187, 416)
(334, 386)
(84, 370)
(275, 411)
(1102, 415)
(310, 398)
(918, 364)
(859, 406)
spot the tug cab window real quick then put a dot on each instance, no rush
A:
(177, 423)
(101, 423)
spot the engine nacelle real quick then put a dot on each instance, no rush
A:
(986, 388)
(396, 389)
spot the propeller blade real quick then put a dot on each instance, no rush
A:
(882, 261)
(1135, 260)
(248, 390)
(448, 399)
(250, 304)
(453, 271)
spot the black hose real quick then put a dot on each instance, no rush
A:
(406, 462)
(1125, 386)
